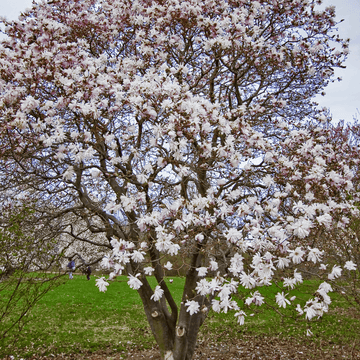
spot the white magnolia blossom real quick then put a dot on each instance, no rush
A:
(213, 265)
(289, 282)
(192, 307)
(314, 255)
(335, 272)
(241, 317)
(298, 277)
(173, 249)
(158, 293)
(301, 228)
(216, 305)
(255, 298)
(282, 262)
(234, 235)
(101, 284)
(107, 262)
(325, 220)
(281, 300)
(69, 173)
(227, 304)
(236, 264)
(324, 296)
(118, 269)
(149, 270)
(299, 309)
(112, 275)
(144, 245)
(95, 173)
(134, 282)
(199, 237)
(349, 265)
(318, 305)
(202, 271)
(314, 308)
(203, 287)
(138, 256)
(325, 286)
(296, 255)
(247, 281)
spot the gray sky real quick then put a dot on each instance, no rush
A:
(341, 98)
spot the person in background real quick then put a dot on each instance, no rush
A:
(71, 266)
(88, 272)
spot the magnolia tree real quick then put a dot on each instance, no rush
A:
(184, 131)
(48, 237)
(78, 243)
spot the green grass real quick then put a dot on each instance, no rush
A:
(76, 317)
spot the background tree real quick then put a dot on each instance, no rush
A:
(185, 130)
(28, 260)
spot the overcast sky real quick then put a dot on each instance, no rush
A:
(343, 99)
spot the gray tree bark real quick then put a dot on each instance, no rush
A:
(175, 332)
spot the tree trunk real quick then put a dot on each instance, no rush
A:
(175, 336)
(161, 322)
(175, 341)
(186, 332)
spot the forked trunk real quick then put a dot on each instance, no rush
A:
(186, 336)
(175, 335)
(175, 341)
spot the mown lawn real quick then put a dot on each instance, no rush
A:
(77, 317)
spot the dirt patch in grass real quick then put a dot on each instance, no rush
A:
(248, 347)
(350, 312)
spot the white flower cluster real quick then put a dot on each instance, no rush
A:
(263, 269)
(318, 305)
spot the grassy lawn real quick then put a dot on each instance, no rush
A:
(77, 317)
